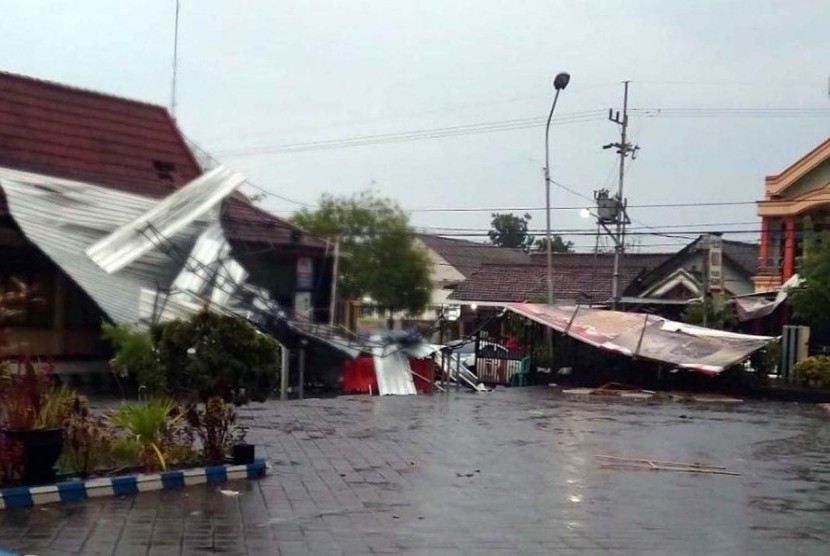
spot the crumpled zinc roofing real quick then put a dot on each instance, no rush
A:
(172, 279)
(64, 218)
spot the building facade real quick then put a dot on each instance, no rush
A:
(129, 147)
(796, 204)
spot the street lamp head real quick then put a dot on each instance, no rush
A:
(561, 81)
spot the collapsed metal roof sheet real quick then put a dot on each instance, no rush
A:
(171, 259)
(64, 217)
(647, 336)
(164, 220)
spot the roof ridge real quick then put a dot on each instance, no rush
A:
(457, 240)
(801, 160)
(737, 242)
(82, 90)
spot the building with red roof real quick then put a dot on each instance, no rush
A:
(130, 146)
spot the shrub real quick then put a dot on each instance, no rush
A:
(31, 399)
(151, 424)
(216, 428)
(814, 371)
(215, 355)
(11, 461)
(88, 439)
(135, 356)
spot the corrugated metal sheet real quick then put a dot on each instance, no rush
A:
(57, 130)
(393, 372)
(63, 218)
(173, 276)
(165, 219)
(209, 275)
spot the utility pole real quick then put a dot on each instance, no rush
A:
(707, 255)
(334, 272)
(623, 149)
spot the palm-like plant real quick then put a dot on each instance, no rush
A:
(148, 423)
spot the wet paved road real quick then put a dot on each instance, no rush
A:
(510, 472)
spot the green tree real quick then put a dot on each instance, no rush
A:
(217, 355)
(509, 230)
(719, 314)
(557, 245)
(811, 301)
(380, 257)
(208, 355)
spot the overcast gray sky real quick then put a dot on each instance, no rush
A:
(255, 75)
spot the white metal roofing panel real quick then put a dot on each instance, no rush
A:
(64, 217)
(393, 373)
(208, 275)
(165, 219)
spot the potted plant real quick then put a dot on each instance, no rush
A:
(242, 453)
(216, 428)
(32, 413)
(88, 439)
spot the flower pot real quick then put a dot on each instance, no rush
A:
(41, 450)
(243, 454)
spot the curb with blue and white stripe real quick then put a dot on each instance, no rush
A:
(71, 491)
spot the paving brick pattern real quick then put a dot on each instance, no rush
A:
(509, 472)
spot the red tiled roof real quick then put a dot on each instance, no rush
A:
(467, 256)
(575, 275)
(54, 129)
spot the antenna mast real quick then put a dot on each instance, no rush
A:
(175, 64)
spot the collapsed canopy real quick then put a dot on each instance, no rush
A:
(647, 336)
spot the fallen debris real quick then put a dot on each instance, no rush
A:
(615, 389)
(614, 462)
(703, 398)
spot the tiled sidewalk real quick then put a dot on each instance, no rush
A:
(509, 472)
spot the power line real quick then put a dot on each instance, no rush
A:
(414, 135)
(677, 233)
(204, 153)
(516, 124)
(577, 207)
(642, 227)
(562, 186)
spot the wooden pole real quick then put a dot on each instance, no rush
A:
(458, 374)
(284, 370)
(642, 333)
(334, 272)
(301, 368)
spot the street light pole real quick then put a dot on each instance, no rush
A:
(559, 83)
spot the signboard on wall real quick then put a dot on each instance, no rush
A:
(715, 263)
(305, 273)
(302, 304)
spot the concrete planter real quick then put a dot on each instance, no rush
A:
(70, 491)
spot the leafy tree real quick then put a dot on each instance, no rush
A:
(209, 355)
(380, 257)
(811, 301)
(557, 245)
(135, 356)
(217, 355)
(719, 314)
(509, 230)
